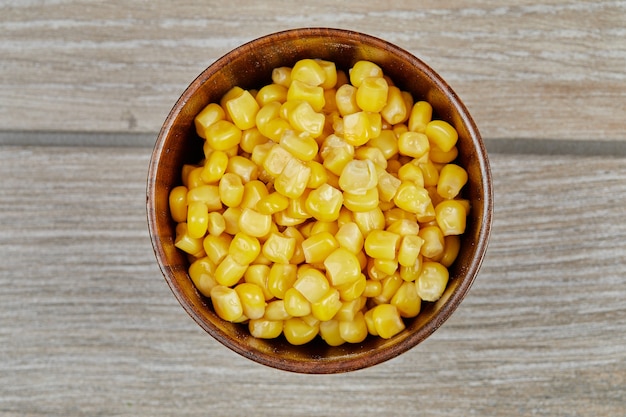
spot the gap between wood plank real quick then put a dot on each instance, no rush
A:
(501, 146)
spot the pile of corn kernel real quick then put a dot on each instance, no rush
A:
(327, 203)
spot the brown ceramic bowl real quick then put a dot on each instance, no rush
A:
(250, 66)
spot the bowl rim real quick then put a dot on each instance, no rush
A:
(335, 364)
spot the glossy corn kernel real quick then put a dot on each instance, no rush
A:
(369, 220)
(282, 76)
(387, 143)
(451, 180)
(252, 300)
(410, 249)
(226, 303)
(387, 321)
(451, 217)
(371, 94)
(278, 248)
(186, 243)
(202, 273)
(345, 100)
(275, 310)
(243, 167)
(276, 160)
(349, 236)
(258, 274)
(206, 194)
(304, 118)
(231, 190)
(386, 266)
(254, 223)
(356, 128)
(296, 304)
(387, 186)
(451, 248)
(223, 135)
(178, 203)
(244, 249)
(272, 203)
(358, 176)
(293, 180)
(216, 247)
(327, 306)
(265, 329)
(430, 172)
(209, 115)
(352, 290)
(318, 175)
(413, 144)
(382, 244)
(217, 224)
(421, 114)
(442, 134)
(329, 332)
(298, 332)
(433, 241)
(281, 277)
(354, 331)
(342, 267)
(301, 145)
(440, 157)
(314, 95)
(253, 191)
(395, 110)
(231, 220)
(312, 284)
(406, 300)
(318, 246)
(308, 71)
(362, 70)
(432, 281)
(373, 288)
(324, 203)
(228, 272)
(412, 198)
(411, 172)
(390, 286)
(242, 109)
(197, 219)
(297, 207)
(271, 92)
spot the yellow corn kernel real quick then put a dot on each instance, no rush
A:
(214, 167)
(412, 198)
(278, 248)
(231, 220)
(305, 119)
(271, 92)
(206, 194)
(301, 145)
(329, 332)
(327, 306)
(186, 243)
(411, 273)
(281, 277)
(406, 300)
(293, 180)
(390, 286)
(244, 249)
(308, 71)
(243, 167)
(209, 115)
(358, 176)
(336, 159)
(442, 134)
(265, 329)
(369, 220)
(312, 284)
(451, 217)
(362, 70)
(266, 113)
(382, 244)
(395, 110)
(229, 271)
(272, 203)
(411, 172)
(373, 272)
(451, 248)
(345, 99)
(217, 224)
(353, 290)
(330, 73)
(342, 267)
(387, 320)
(386, 266)
(275, 310)
(404, 226)
(223, 135)
(202, 273)
(330, 106)
(281, 76)
(410, 248)
(226, 303)
(354, 331)
(371, 94)
(451, 180)
(297, 207)
(254, 223)
(373, 288)
(258, 274)
(186, 172)
(317, 247)
(356, 128)
(319, 227)
(421, 115)
(440, 157)
(373, 154)
(252, 300)
(413, 144)
(242, 109)
(178, 203)
(216, 247)
(432, 281)
(231, 190)
(296, 304)
(298, 254)
(230, 94)
(387, 143)
(251, 138)
(387, 186)
(369, 322)
(253, 191)
(324, 203)
(433, 241)
(298, 332)
(349, 236)
(276, 160)
(197, 219)
(318, 174)
(314, 95)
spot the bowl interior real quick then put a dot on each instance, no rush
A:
(250, 66)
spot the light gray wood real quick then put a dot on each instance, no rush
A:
(540, 69)
(89, 327)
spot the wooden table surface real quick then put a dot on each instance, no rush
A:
(88, 326)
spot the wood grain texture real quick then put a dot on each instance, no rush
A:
(89, 327)
(550, 69)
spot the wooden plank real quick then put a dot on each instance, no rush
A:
(548, 69)
(89, 327)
